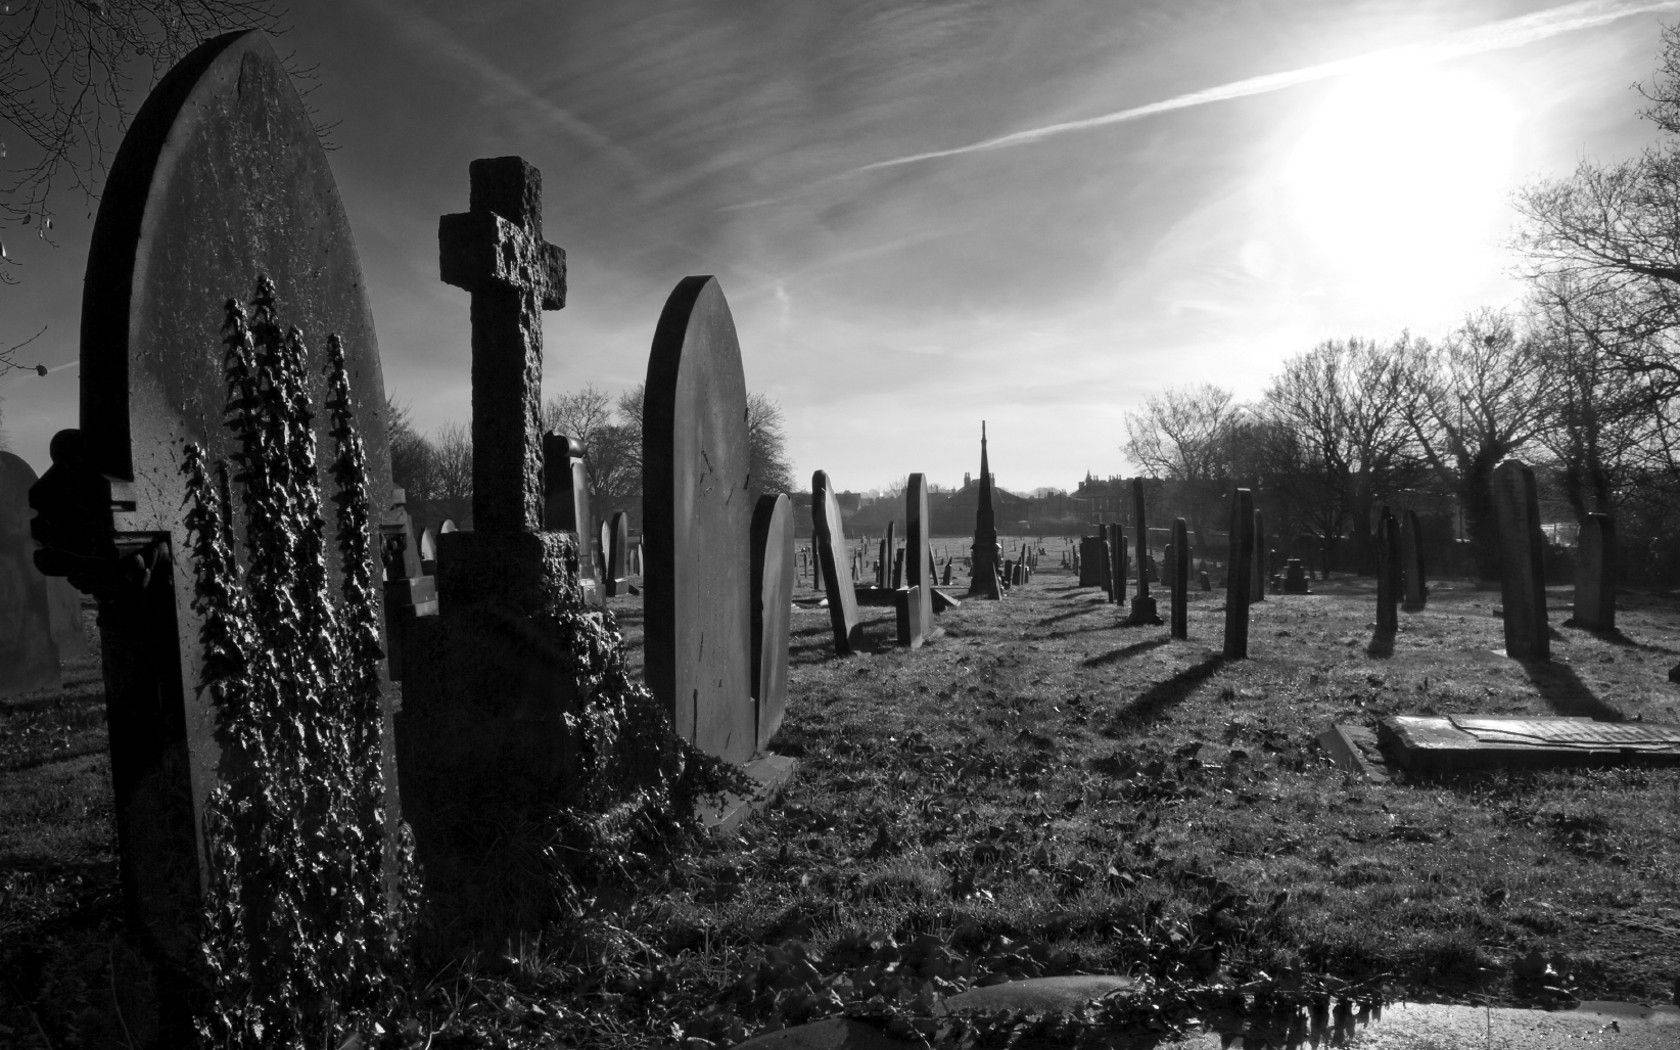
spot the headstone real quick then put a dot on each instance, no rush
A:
(428, 552)
(1595, 574)
(181, 229)
(987, 557)
(28, 653)
(1411, 561)
(1116, 537)
(1257, 582)
(829, 534)
(617, 529)
(816, 570)
(1143, 610)
(881, 554)
(898, 568)
(1295, 577)
(697, 469)
(1388, 573)
(1180, 568)
(1522, 568)
(915, 609)
(772, 595)
(602, 547)
(945, 576)
(1239, 574)
(448, 526)
(1090, 561)
(1204, 580)
(566, 506)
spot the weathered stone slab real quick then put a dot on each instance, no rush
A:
(29, 658)
(772, 592)
(219, 179)
(1179, 567)
(1469, 743)
(1522, 582)
(697, 520)
(1239, 574)
(1595, 574)
(829, 533)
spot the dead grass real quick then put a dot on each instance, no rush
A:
(1044, 781)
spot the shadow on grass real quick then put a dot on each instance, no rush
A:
(1124, 651)
(1070, 614)
(1563, 689)
(1614, 636)
(1153, 702)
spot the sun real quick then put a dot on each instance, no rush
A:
(1402, 176)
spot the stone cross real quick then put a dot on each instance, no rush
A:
(496, 251)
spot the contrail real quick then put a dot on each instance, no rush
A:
(1495, 36)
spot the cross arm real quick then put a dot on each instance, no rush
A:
(480, 249)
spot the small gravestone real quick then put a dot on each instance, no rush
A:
(916, 619)
(1295, 577)
(1257, 566)
(566, 505)
(219, 179)
(1388, 573)
(1239, 574)
(1522, 568)
(697, 517)
(1204, 581)
(28, 654)
(772, 593)
(617, 529)
(1411, 561)
(1115, 534)
(1090, 561)
(829, 534)
(1595, 574)
(428, 552)
(1179, 564)
(1143, 610)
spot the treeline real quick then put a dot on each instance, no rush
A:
(1579, 380)
(436, 470)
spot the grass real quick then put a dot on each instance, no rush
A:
(1040, 790)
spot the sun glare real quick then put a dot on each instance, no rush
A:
(1402, 178)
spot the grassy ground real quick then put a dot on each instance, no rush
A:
(1044, 790)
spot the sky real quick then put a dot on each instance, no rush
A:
(925, 213)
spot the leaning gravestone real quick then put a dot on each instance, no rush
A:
(915, 603)
(219, 179)
(1595, 574)
(28, 652)
(697, 517)
(772, 609)
(1239, 574)
(1522, 569)
(829, 533)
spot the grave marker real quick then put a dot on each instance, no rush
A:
(1239, 574)
(1143, 611)
(1595, 574)
(617, 529)
(1180, 562)
(1116, 541)
(772, 594)
(181, 230)
(566, 505)
(915, 603)
(1523, 576)
(829, 533)
(1411, 561)
(29, 658)
(1388, 573)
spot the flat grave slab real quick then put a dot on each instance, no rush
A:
(1471, 743)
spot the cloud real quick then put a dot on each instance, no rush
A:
(1494, 36)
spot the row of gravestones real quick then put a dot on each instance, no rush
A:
(914, 603)
(178, 232)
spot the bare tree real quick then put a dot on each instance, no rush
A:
(767, 439)
(452, 497)
(414, 465)
(1184, 435)
(68, 76)
(1474, 400)
(614, 474)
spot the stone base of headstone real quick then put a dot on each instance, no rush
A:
(722, 814)
(616, 587)
(1144, 612)
(913, 629)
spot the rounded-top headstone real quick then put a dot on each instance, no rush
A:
(28, 654)
(697, 510)
(772, 592)
(220, 179)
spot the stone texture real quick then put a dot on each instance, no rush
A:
(697, 520)
(1179, 567)
(566, 504)
(1595, 574)
(1522, 582)
(829, 533)
(219, 179)
(495, 251)
(772, 594)
(29, 658)
(1239, 574)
